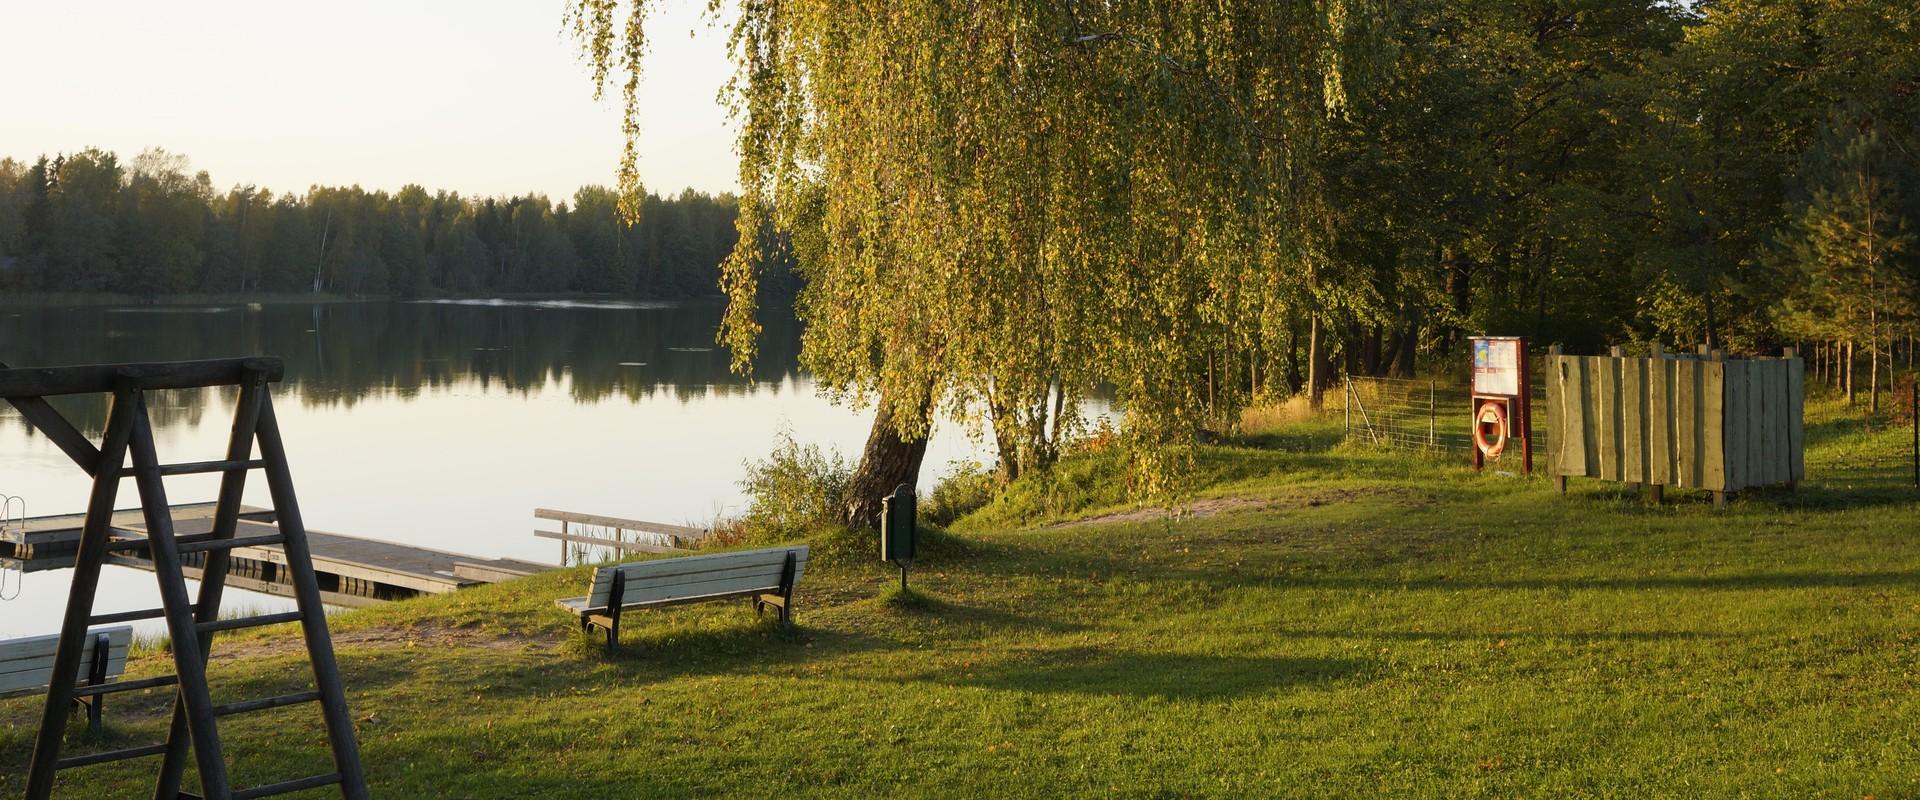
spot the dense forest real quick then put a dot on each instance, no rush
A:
(86, 222)
(1737, 173)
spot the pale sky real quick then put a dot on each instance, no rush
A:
(484, 97)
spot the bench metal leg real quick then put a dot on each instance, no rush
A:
(786, 591)
(96, 675)
(616, 599)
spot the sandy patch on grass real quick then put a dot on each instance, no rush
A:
(1200, 509)
(387, 636)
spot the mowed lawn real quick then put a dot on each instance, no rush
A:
(1338, 623)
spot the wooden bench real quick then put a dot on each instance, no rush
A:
(26, 665)
(767, 576)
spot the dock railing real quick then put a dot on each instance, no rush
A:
(621, 535)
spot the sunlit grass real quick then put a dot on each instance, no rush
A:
(1345, 622)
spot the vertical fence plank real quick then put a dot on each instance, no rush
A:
(1756, 425)
(1796, 405)
(1633, 419)
(1713, 425)
(1569, 443)
(1686, 423)
(1589, 417)
(1734, 379)
(1773, 390)
(1607, 414)
(1660, 420)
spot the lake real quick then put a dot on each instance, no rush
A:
(443, 423)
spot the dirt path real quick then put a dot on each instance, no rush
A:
(387, 636)
(1200, 509)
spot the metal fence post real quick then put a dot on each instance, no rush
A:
(1432, 424)
(1346, 405)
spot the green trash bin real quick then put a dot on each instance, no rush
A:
(898, 523)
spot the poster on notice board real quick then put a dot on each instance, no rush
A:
(1496, 366)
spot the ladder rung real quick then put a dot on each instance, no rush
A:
(125, 686)
(110, 755)
(249, 622)
(118, 545)
(199, 467)
(203, 545)
(130, 616)
(284, 787)
(266, 703)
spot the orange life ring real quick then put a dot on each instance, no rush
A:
(1495, 414)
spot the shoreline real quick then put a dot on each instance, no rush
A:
(90, 299)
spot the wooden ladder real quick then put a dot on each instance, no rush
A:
(191, 622)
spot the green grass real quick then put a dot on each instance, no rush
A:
(1354, 623)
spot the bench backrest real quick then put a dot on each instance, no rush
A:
(26, 665)
(698, 576)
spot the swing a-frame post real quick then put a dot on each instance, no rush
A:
(190, 622)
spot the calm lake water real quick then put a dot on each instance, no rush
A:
(443, 424)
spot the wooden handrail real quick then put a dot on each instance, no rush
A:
(617, 522)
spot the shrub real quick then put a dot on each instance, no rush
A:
(797, 488)
(967, 487)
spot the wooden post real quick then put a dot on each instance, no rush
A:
(1432, 418)
(1527, 409)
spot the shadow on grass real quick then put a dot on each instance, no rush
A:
(1170, 676)
(917, 604)
(1494, 636)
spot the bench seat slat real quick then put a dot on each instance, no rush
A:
(645, 593)
(26, 665)
(44, 646)
(579, 605)
(767, 575)
(684, 569)
(688, 565)
(8, 664)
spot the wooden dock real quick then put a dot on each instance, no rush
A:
(353, 570)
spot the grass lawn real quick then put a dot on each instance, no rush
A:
(1341, 622)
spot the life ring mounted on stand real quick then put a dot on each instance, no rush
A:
(1490, 428)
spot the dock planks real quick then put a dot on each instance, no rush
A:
(353, 570)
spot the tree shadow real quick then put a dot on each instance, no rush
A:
(1168, 676)
(1582, 637)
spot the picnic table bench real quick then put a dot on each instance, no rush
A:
(767, 576)
(26, 666)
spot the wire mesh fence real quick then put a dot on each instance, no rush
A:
(1431, 415)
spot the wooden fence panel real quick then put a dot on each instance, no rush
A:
(1718, 425)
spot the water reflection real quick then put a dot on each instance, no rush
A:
(342, 353)
(439, 424)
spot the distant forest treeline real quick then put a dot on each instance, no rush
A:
(86, 222)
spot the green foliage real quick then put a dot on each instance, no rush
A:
(965, 488)
(795, 490)
(84, 223)
(1075, 484)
